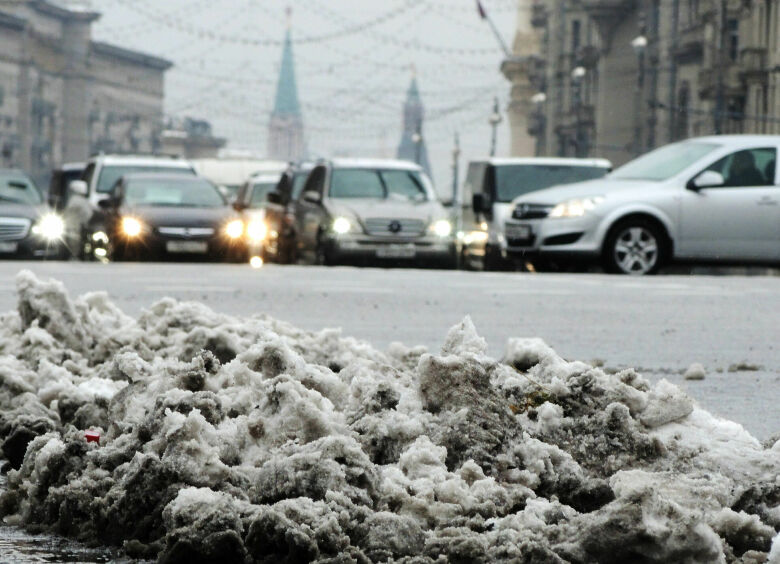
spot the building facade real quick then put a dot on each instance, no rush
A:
(190, 138)
(64, 96)
(616, 78)
(286, 140)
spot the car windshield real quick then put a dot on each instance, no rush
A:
(185, 192)
(109, 174)
(515, 180)
(299, 180)
(260, 192)
(403, 185)
(665, 162)
(17, 188)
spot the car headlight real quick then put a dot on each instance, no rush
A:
(234, 229)
(441, 228)
(131, 227)
(257, 230)
(341, 226)
(576, 208)
(50, 227)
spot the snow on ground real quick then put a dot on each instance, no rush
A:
(247, 439)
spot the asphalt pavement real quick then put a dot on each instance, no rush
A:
(660, 325)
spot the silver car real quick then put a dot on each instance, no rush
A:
(359, 210)
(710, 199)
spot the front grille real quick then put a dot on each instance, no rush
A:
(531, 211)
(398, 227)
(14, 228)
(186, 232)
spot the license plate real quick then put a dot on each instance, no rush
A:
(6, 247)
(396, 251)
(190, 247)
(518, 232)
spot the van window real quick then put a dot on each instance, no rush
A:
(512, 181)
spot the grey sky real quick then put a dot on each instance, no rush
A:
(353, 62)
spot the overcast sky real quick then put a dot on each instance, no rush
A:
(353, 60)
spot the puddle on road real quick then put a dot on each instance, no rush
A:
(20, 547)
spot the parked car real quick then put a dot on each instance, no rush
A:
(712, 199)
(280, 214)
(372, 210)
(28, 227)
(60, 180)
(81, 213)
(489, 189)
(152, 216)
(252, 201)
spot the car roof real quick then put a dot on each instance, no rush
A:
(70, 167)
(163, 176)
(558, 161)
(736, 140)
(265, 177)
(141, 160)
(393, 164)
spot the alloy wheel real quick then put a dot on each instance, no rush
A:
(636, 250)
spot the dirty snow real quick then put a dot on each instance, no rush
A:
(250, 440)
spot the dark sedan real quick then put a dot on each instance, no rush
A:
(28, 228)
(150, 216)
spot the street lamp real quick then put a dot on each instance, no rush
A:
(494, 121)
(539, 124)
(577, 76)
(639, 45)
(417, 139)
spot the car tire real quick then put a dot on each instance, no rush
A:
(494, 262)
(322, 256)
(635, 247)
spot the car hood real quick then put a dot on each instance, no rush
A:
(597, 187)
(26, 211)
(180, 216)
(363, 209)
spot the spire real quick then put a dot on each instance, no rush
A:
(287, 103)
(412, 145)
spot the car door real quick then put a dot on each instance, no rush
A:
(309, 215)
(738, 220)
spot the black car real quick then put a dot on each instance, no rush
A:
(280, 214)
(153, 215)
(28, 227)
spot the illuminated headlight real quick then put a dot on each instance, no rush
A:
(342, 226)
(131, 226)
(257, 230)
(475, 237)
(50, 227)
(234, 229)
(576, 208)
(441, 228)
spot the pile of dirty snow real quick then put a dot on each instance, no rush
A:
(248, 440)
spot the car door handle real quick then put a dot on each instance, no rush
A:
(767, 201)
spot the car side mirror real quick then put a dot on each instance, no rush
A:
(274, 198)
(707, 179)
(312, 197)
(108, 203)
(480, 203)
(78, 187)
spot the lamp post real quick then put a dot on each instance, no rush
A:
(417, 140)
(577, 76)
(495, 120)
(639, 45)
(540, 125)
(455, 167)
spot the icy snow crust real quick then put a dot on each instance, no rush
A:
(248, 440)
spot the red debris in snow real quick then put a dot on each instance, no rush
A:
(92, 436)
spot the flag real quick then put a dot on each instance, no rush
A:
(481, 9)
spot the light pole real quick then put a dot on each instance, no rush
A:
(495, 120)
(639, 45)
(455, 167)
(540, 121)
(417, 140)
(577, 76)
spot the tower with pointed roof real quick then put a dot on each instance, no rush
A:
(412, 147)
(286, 140)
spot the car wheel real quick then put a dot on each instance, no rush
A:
(635, 247)
(495, 262)
(322, 257)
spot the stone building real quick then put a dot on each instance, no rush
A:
(286, 141)
(190, 138)
(616, 78)
(64, 96)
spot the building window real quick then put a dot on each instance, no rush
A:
(733, 39)
(575, 35)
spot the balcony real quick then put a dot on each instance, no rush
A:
(690, 45)
(539, 15)
(710, 81)
(753, 61)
